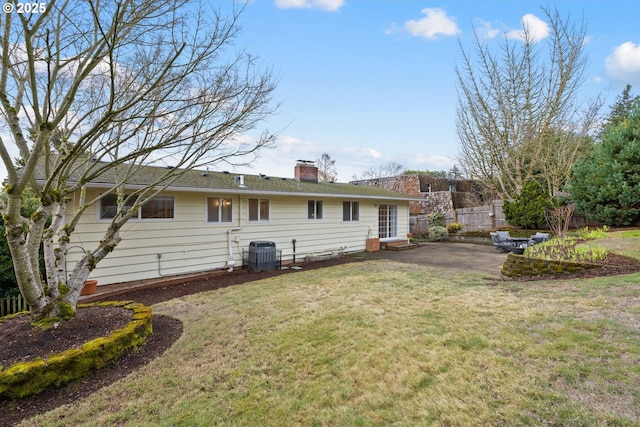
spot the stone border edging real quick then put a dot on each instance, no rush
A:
(34, 376)
(522, 266)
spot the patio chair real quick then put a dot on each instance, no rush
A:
(539, 237)
(502, 241)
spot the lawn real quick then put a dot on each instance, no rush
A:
(384, 343)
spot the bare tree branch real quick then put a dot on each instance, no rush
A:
(105, 88)
(511, 103)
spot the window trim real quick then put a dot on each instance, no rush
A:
(352, 204)
(158, 197)
(260, 200)
(220, 207)
(138, 216)
(313, 216)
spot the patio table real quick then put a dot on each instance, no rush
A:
(519, 244)
(519, 240)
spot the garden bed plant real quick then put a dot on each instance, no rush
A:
(576, 247)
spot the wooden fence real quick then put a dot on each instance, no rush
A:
(11, 305)
(488, 217)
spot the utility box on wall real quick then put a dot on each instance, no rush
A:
(262, 256)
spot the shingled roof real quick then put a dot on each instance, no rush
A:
(226, 182)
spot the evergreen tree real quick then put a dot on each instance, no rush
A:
(607, 186)
(623, 105)
(529, 207)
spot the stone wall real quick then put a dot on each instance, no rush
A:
(407, 184)
(439, 201)
(522, 266)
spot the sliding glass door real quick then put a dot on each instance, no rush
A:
(388, 221)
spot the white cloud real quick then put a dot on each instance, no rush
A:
(485, 31)
(326, 5)
(534, 26)
(623, 65)
(280, 161)
(435, 23)
(350, 160)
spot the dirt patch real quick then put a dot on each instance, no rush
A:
(469, 257)
(22, 342)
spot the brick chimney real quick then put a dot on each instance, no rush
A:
(306, 171)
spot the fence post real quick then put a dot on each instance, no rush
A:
(11, 305)
(493, 215)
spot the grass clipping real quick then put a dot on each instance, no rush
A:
(383, 343)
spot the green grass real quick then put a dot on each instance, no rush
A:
(623, 242)
(383, 343)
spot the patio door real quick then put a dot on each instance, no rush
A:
(387, 221)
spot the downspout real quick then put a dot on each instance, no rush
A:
(231, 262)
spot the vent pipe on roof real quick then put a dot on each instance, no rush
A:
(239, 180)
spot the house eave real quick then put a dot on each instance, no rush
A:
(249, 191)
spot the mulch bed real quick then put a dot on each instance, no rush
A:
(166, 331)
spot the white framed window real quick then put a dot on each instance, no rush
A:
(109, 206)
(219, 209)
(314, 209)
(159, 207)
(258, 209)
(350, 211)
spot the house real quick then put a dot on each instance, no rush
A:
(206, 220)
(433, 194)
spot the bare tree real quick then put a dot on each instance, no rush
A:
(559, 219)
(106, 88)
(517, 114)
(327, 170)
(386, 170)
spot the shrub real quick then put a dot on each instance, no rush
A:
(438, 233)
(435, 219)
(454, 227)
(528, 208)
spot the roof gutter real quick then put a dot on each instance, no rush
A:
(262, 192)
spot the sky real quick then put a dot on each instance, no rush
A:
(373, 81)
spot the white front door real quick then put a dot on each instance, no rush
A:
(388, 221)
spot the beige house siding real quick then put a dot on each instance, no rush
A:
(188, 243)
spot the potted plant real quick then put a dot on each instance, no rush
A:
(90, 287)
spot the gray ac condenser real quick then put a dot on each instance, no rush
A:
(262, 256)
